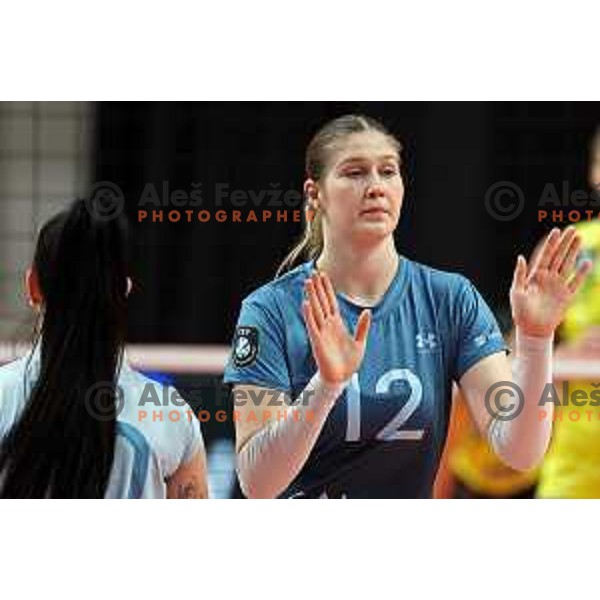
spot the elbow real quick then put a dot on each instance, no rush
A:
(522, 449)
(255, 486)
(523, 464)
(252, 480)
(254, 490)
(521, 460)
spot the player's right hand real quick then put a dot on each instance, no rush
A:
(337, 353)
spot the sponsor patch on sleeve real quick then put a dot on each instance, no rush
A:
(245, 346)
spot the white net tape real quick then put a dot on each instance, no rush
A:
(207, 359)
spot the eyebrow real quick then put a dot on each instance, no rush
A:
(351, 159)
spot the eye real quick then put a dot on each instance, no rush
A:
(389, 171)
(356, 172)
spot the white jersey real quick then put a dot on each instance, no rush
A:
(152, 441)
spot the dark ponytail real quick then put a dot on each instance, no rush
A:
(59, 448)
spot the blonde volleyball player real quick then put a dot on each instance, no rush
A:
(64, 430)
(362, 344)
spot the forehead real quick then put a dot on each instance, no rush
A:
(368, 145)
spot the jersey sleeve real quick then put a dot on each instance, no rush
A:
(478, 334)
(188, 440)
(258, 354)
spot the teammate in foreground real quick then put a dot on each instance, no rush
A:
(65, 431)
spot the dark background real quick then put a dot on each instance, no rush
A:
(191, 278)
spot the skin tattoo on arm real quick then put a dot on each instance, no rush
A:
(187, 490)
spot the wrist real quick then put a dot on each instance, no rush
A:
(534, 332)
(329, 387)
(529, 343)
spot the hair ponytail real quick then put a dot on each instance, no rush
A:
(311, 243)
(59, 447)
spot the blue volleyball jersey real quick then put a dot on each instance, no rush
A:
(385, 434)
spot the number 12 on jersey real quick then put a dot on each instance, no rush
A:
(393, 430)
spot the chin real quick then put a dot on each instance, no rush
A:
(373, 233)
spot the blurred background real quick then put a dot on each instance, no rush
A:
(190, 278)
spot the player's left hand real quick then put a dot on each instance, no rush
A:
(542, 291)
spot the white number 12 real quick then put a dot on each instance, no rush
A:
(391, 431)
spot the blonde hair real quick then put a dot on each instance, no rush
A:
(310, 244)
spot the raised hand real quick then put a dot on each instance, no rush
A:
(337, 353)
(541, 292)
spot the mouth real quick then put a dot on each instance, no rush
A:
(374, 211)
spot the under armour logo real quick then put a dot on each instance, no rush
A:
(426, 341)
(481, 340)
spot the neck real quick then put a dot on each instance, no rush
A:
(360, 272)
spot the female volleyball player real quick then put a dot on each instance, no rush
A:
(65, 430)
(370, 410)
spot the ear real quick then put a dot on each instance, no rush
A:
(311, 192)
(129, 286)
(32, 288)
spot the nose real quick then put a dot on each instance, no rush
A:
(374, 187)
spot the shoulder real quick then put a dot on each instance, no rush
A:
(13, 373)
(440, 282)
(144, 393)
(275, 296)
(14, 388)
(12, 391)
(160, 414)
(449, 294)
(131, 379)
(285, 285)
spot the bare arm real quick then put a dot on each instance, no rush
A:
(189, 481)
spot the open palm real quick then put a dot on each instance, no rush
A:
(541, 293)
(338, 354)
